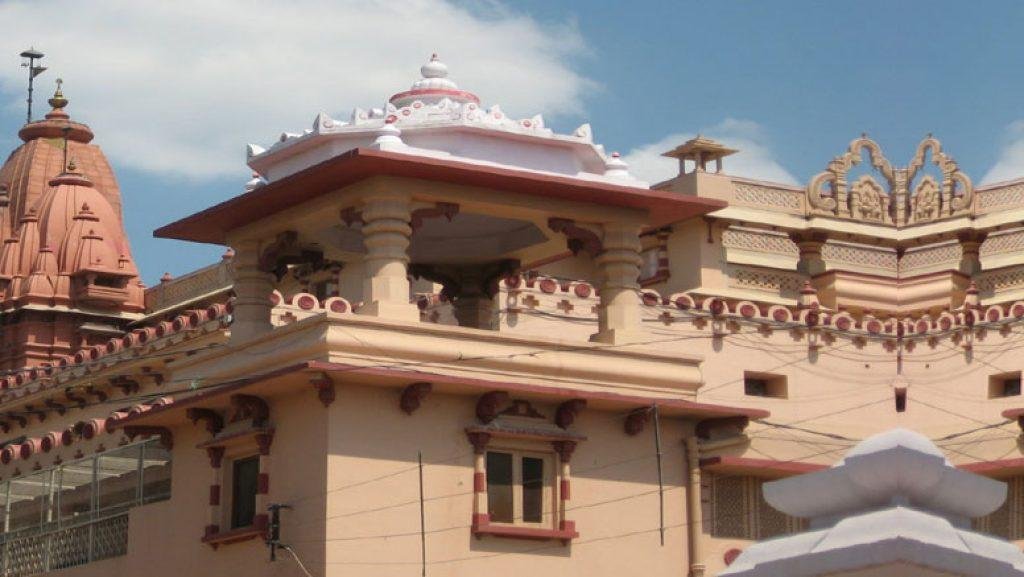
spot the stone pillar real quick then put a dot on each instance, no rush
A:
(481, 518)
(477, 311)
(386, 235)
(261, 518)
(970, 259)
(618, 314)
(695, 514)
(811, 262)
(252, 289)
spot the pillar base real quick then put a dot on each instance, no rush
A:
(697, 570)
(407, 312)
(618, 337)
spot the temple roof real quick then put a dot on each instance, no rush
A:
(437, 119)
(53, 181)
(893, 502)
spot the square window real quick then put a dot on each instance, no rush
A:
(1004, 385)
(764, 385)
(520, 487)
(244, 474)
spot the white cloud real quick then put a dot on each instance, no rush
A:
(1011, 160)
(754, 159)
(182, 86)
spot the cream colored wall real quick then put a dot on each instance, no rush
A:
(372, 476)
(165, 537)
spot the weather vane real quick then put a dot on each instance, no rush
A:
(31, 56)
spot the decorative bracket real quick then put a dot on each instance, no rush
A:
(250, 407)
(214, 421)
(352, 215)
(324, 388)
(567, 412)
(479, 441)
(216, 455)
(92, 391)
(51, 404)
(577, 237)
(413, 395)
(73, 397)
(705, 427)
(39, 413)
(445, 209)
(286, 251)
(487, 405)
(564, 449)
(636, 420)
(166, 438)
(128, 386)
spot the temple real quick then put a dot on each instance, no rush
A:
(446, 340)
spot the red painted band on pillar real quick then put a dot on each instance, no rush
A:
(214, 494)
(260, 522)
(262, 484)
(481, 519)
(479, 483)
(563, 489)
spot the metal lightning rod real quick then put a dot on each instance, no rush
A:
(31, 56)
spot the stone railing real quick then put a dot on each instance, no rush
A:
(194, 285)
(776, 198)
(780, 283)
(1000, 198)
(51, 549)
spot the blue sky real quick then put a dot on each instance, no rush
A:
(174, 99)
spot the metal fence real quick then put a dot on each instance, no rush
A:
(39, 551)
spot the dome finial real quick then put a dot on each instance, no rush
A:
(58, 101)
(434, 68)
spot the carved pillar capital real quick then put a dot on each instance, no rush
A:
(619, 310)
(386, 235)
(252, 286)
(324, 387)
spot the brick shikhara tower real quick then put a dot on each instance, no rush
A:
(67, 277)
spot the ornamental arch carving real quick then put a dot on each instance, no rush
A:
(895, 196)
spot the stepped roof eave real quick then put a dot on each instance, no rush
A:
(894, 536)
(589, 153)
(387, 376)
(213, 224)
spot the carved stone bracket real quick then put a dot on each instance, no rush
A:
(37, 412)
(263, 442)
(413, 395)
(214, 421)
(564, 449)
(577, 238)
(351, 215)
(286, 251)
(705, 427)
(567, 412)
(636, 420)
(166, 437)
(324, 388)
(72, 396)
(446, 209)
(250, 407)
(126, 385)
(479, 441)
(488, 404)
(100, 394)
(216, 456)
(55, 406)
